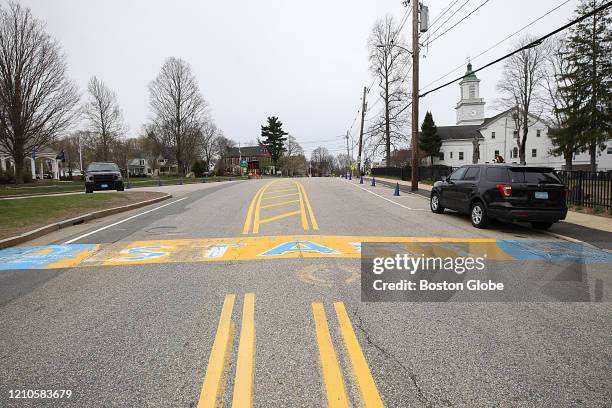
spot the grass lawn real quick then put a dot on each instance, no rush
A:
(18, 216)
(52, 187)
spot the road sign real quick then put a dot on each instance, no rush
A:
(243, 163)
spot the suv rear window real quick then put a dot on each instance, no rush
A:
(497, 174)
(533, 176)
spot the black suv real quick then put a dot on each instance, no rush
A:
(103, 176)
(504, 192)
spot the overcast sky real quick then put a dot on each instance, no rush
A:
(304, 61)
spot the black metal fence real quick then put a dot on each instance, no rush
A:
(588, 189)
(426, 173)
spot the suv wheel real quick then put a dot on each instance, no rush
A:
(478, 215)
(434, 204)
(541, 225)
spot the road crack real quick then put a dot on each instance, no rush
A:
(421, 394)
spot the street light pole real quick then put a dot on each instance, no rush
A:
(415, 97)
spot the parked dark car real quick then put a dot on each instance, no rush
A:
(503, 192)
(103, 176)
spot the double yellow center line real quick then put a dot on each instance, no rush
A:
(213, 388)
(290, 192)
(212, 394)
(335, 388)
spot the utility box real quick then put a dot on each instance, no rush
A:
(424, 18)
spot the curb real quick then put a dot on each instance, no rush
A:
(39, 232)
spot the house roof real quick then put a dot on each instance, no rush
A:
(247, 151)
(492, 119)
(459, 132)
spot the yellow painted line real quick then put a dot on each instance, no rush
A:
(258, 208)
(313, 220)
(214, 380)
(243, 383)
(305, 225)
(282, 195)
(247, 222)
(332, 375)
(368, 392)
(281, 203)
(280, 216)
(281, 190)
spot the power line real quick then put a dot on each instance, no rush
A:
(532, 44)
(498, 43)
(443, 12)
(446, 21)
(458, 22)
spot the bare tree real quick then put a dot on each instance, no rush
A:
(389, 59)
(177, 108)
(37, 99)
(293, 160)
(322, 161)
(210, 147)
(104, 116)
(520, 89)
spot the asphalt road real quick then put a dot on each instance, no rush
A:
(138, 313)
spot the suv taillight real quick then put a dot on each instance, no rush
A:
(504, 189)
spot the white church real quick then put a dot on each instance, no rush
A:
(497, 135)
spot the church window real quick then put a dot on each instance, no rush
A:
(451, 155)
(492, 135)
(496, 153)
(460, 156)
(534, 152)
(609, 150)
(472, 91)
(441, 156)
(538, 133)
(514, 154)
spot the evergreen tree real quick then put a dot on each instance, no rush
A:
(589, 80)
(274, 138)
(429, 141)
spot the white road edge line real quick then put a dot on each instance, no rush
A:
(385, 198)
(122, 221)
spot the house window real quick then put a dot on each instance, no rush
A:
(472, 91)
(441, 156)
(534, 152)
(515, 133)
(460, 156)
(492, 135)
(514, 153)
(451, 155)
(538, 133)
(496, 153)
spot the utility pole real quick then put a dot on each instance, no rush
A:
(348, 151)
(415, 97)
(364, 107)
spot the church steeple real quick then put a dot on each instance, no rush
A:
(470, 108)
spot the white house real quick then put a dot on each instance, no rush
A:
(140, 167)
(497, 135)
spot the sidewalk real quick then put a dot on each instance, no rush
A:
(579, 219)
